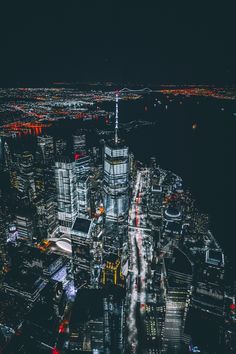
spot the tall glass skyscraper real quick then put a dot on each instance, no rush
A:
(45, 143)
(116, 180)
(67, 202)
(116, 176)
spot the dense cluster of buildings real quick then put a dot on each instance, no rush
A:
(99, 254)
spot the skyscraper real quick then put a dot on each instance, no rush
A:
(26, 181)
(81, 242)
(83, 167)
(67, 200)
(60, 147)
(116, 177)
(116, 181)
(79, 143)
(45, 144)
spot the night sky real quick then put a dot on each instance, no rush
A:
(148, 41)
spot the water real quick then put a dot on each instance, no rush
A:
(204, 157)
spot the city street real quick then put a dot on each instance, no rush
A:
(138, 233)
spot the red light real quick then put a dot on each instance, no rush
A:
(61, 328)
(76, 156)
(55, 351)
(232, 306)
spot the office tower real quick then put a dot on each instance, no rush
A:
(111, 272)
(116, 177)
(47, 222)
(7, 156)
(60, 147)
(66, 186)
(96, 322)
(83, 195)
(116, 181)
(44, 167)
(10, 165)
(82, 166)
(25, 226)
(45, 143)
(81, 242)
(79, 143)
(46, 203)
(26, 182)
(177, 301)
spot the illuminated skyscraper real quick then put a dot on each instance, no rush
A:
(44, 166)
(26, 181)
(177, 301)
(7, 156)
(116, 181)
(116, 177)
(79, 143)
(60, 147)
(25, 226)
(45, 143)
(81, 242)
(66, 186)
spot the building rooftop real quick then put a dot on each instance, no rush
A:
(12, 310)
(88, 305)
(214, 257)
(172, 212)
(23, 282)
(119, 145)
(81, 225)
(180, 262)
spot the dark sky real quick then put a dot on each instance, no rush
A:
(149, 41)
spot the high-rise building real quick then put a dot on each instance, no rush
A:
(116, 177)
(83, 195)
(26, 181)
(83, 167)
(46, 203)
(177, 301)
(116, 181)
(7, 156)
(10, 165)
(60, 147)
(45, 144)
(47, 222)
(79, 143)
(81, 241)
(25, 226)
(66, 186)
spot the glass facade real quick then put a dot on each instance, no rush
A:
(65, 176)
(116, 181)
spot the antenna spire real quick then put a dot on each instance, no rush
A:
(117, 117)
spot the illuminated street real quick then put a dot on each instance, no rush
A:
(138, 258)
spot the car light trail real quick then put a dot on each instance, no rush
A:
(138, 262)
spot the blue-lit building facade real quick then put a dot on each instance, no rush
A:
(67, 203)
(116, 181)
